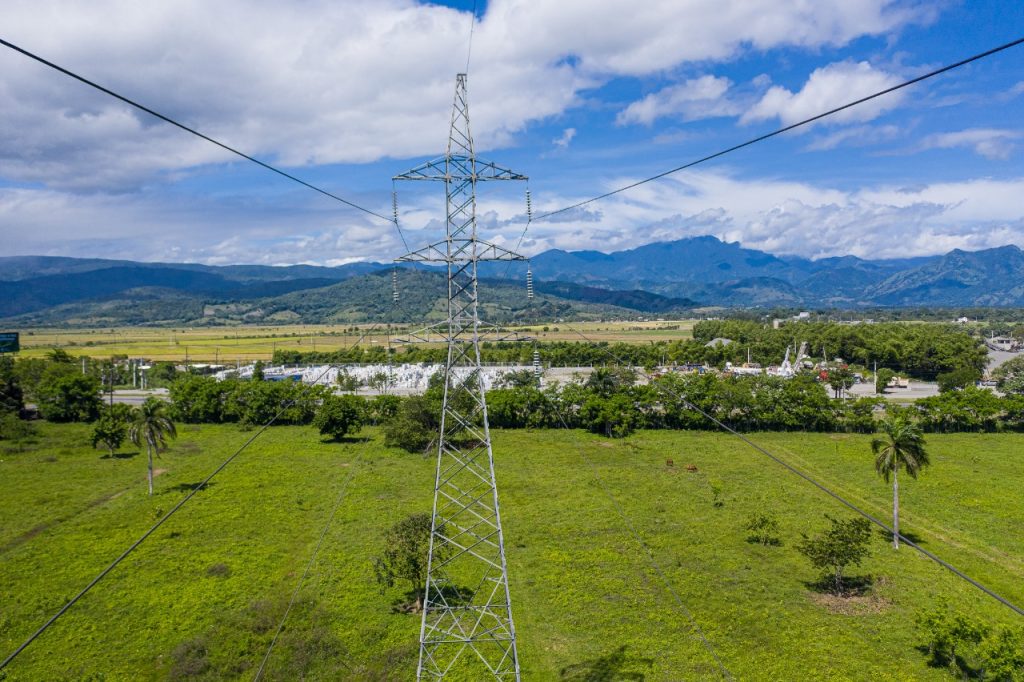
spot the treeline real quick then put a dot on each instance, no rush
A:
(920, 351)
(204, 400)
(610, 402)
(613, 404)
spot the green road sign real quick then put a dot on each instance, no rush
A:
(9, 342)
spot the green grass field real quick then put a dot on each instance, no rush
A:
(247, 343)
(219, 573)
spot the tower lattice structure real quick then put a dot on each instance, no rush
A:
(466, 629)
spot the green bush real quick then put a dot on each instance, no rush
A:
(415, 425)
(69, 397)
(763, 528)
(971, 649)
(339, 416)
(13, 428)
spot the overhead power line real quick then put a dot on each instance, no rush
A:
(193, 131)
(469, 43)
(820, 486)
(812, 119)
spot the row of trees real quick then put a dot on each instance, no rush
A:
(610, 402)
(920, 351)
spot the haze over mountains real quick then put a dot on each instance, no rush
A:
(656, 278)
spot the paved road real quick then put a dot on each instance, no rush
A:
(137, 396)
(998, 357)
(917, 389)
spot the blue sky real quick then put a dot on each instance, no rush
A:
(581, 95)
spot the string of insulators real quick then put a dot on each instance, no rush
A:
(529, 284)
(536, 362)
(394, 207)
(394, 286)
(529, 207)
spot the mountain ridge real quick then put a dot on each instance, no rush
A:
(652, 278)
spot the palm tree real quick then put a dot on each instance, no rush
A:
(152, 426)
(900, 446)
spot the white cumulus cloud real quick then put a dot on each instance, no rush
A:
(827, 88)
(991, 143)
(347, 82)
(694, 99)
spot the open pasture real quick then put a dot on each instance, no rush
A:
(247, 343)
(198, 344)
(202, 597)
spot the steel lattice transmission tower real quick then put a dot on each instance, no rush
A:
(467, 628)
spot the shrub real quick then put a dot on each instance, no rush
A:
(971, 649)
(763, 529)
(13, 428)
(406, 546)
(339, 416)
(415, 425)
(189, 659)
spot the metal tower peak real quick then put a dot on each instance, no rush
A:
(467, 627)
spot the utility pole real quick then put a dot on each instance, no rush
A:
(466, 627)
(876, 377)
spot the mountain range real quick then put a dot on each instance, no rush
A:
(661, 278)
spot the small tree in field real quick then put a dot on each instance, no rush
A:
(111, 429)
(763, 529)
(406, 546)
(339, 416)
(153, 427)
(844, 544)
(110, 432)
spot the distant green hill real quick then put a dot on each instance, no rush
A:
(363, 298)
(654, 279)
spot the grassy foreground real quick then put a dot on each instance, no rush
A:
(203, 596)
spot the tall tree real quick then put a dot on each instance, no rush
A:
(901, 446)
(153, 427)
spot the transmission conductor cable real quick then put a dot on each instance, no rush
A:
(761, 138)
(193, 131)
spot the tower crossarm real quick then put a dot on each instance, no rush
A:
(459, 250)
(460, 169)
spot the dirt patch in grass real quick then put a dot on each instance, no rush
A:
(851, 605)
(157, 472)
(187, 448)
